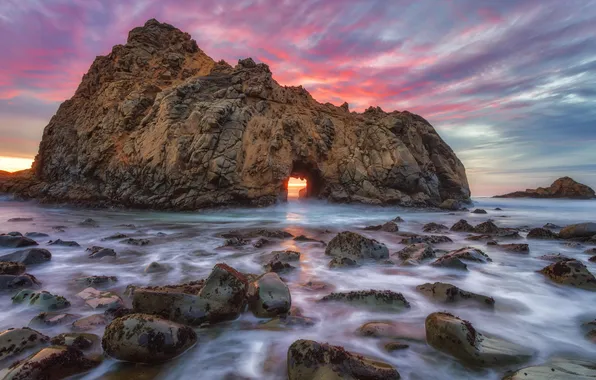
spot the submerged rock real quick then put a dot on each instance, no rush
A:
(450, 294)
(18, 220)
(269, 296)
(342, 262)
(11, 267)
(64, 243)
(8, 241)
(434, 227)
(542, 233)
(451, 204)
(34, 235)
(466, 254)
(429, 239)
(308, 360)
(138, 242)
(551, 226)
(581, 230)
(20, 281)
(97, 299)
(89, 223)
(460, 339)
(356, 247)
(15, 341)
(90, 322)
(80, 341)
(156, 267)
(487, 227)
(142, 338)
(116, 236)
(56, 362)
(516, 248)
(393, 330)
(46, 320)
(462, 226)
(42, 300)
(414, 254)
(556, 369)
(384, 300)
(554, 257)
(100, 252)
(451, 262)
(29, 256)
(91, 281)
(479, 211)
(387, 227)
(570, 272)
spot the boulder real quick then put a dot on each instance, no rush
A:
(20, 281)
(80, 341)
(116, 236)
(156, 267)
(581, 230)
(451, 262)
(556, 369)
(462, 226)
(8, 241)
(434, 227)
(11, 267)
(15, 341)
(458, 338)
(97, 299)
(96, 281)
(554, 257)
(308, 360)
(487, 227)
(479, 211)
(14, 233)
(90, 322)
(515, 248)
(429, 239)
(41, 300)
(137, 242)
(570, 272)
(55, 362)
(564, 187)
(278, 267)
(414, 254)
(356, 247)
(451, 205)
(342, 262)
(142, 338)
(29, 256)
(387, 227)
(467, 254)
(393, 330)
(64, 243)
(450, 294)
(46, 320)
(542, 233)
(34, 235)
(269, 296)
(382, 300)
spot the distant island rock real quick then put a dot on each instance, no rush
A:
(564, 187)
(159, 124)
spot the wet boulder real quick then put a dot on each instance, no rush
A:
(515, 248)
(97, 299)
(462, 226)
(556, 369)
(278, 267)
(8, 241)
(451, 205)
(386, 227)
(12, 282)
(356, 247)
(142, 338)
(55, 362)
(11, 267)
(542, 233)
(269, 296)
(308, 360)
(283, 256)
(434, 227)
(414, 254)
(41, 300)
(90, 322)
(554, 257)
(34, 235)
(581, 230)
(80, 341)
(137, 242)
(64, 243)
(95, 281)
(570, 272)
(89, 223)
(450, 294)
(116, 236)
(487, 227)
(29, 256)
(342, 262)
(468, 254)
(479, 211)
(458, 338)
(383, 300)
(47, 320)
(428, 239)
(100, 252)
(225, 291)
(393, 330)
(449, 262)
(287, 322)
(14, 233)
(156, 267)
(15, 341)
(551, 226)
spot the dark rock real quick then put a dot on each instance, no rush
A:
(64, 243)
(11, 267)
(14, 233)
(156, 267)
(434, 228)
(17, 220)
(429, 239)
(570, 272)
(309, 360)
(468, 254)
(307, 239)
(116, 236)
(551, 226)
(451, 294)
(498, 209)
(398, 219)
(261, 242)
(21, 281)
(384, 300)
(387, 227)
(582, 230)
(46, 320)
(590, 251)
(342, 262)
(592, 259)
(556, 369)
(91, 281)
(89, 223)
(269, 296)
(553, 257)
(80, 341)
(34, 235)
(541, 233)
(15, 341)
(395, 346)
(42, 300)
(138, 242)
(461, 340)
(393, 330)
(462, 226)
(479, 211)
(451, 204)
(55, 362)
(141, 338)
(278, 267)
(516, 248)
(8, 241)
(414, 254)
(100, 252)
(90, 323)
(564, 187)
(235, 242)
(356, 247)
(97, 299)
(487, 227)
(449, 262)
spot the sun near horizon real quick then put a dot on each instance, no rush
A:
(14, 164)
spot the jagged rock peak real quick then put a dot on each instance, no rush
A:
(158, 123)
(564, 187)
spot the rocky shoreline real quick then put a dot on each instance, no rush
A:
(156, 324)
(564, 187)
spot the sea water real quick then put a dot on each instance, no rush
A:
(529, 309)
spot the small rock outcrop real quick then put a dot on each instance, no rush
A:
(269, 296)
(564, 187)
(570, 272)
(309, 360)
(450, 294)
(458, 338)
(578, 231)
(14, 341)
(542, 233)
(556, 369)
(29, 256)
(385, 300)
(356, 247)
(142, 338)
(158, 123)
(414, 254)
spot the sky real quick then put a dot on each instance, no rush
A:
(509, 84)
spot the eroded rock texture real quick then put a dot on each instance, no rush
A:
(157, 123)
(564, 187)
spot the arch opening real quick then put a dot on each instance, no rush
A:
(304, 182)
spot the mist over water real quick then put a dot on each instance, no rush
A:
(529, 310)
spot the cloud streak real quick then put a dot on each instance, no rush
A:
(508, 84)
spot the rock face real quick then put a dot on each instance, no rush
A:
(159, 123)
(564, 187)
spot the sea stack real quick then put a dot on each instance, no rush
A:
(564, 187)
(158, 123)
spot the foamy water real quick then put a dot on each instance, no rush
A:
(529, 310)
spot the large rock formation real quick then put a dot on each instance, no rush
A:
(564, 187)
(157, 123)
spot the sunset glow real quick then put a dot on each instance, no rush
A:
(294, 187)
(13, 164)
